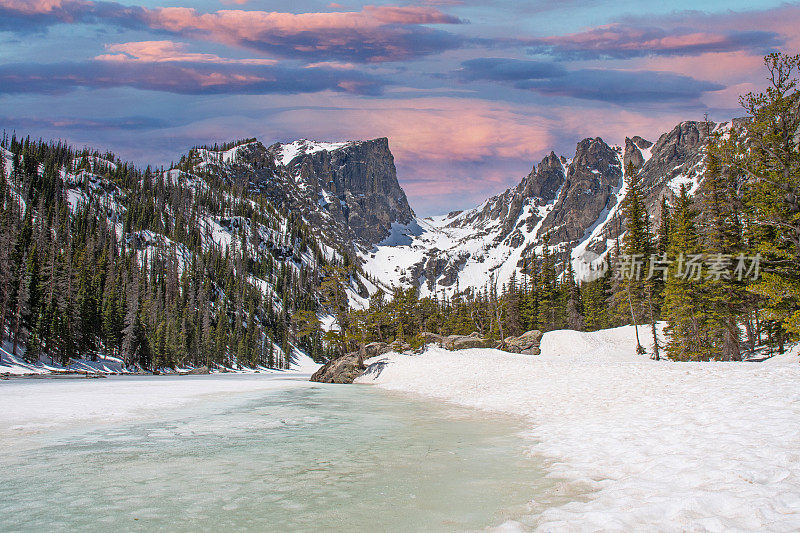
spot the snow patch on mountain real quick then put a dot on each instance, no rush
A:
(291, 150)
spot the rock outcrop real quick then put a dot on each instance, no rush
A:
(527, 343)
(374, 349)
(356, 184)
(343, 369)
(427, 337)
(464, 342)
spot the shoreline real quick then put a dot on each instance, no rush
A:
(662, 446)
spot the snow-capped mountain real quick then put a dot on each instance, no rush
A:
(348, 195)
(348, 191)
(569, 203)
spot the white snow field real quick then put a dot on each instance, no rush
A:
(31, 406)
(641, 445)
(15, 365)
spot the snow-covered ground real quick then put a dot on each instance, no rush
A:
(35, 405)
(641, 445)
(17, 366)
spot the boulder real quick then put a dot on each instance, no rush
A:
(463, 342)
(374, 349)
(430, 338)
(199, 370)
(343, 369)
(527, 343)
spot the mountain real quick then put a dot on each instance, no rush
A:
(569, 203)
(254, 242)
(348, 191)
(219, 260)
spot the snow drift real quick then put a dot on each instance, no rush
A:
(639, 444)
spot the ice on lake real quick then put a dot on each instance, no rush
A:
(288, 455)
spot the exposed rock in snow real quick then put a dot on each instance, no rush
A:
(341, 370)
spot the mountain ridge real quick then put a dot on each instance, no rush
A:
(569, 203)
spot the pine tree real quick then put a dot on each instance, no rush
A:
(637, 248)
(682, 308)
(768, 155)
(721, 292)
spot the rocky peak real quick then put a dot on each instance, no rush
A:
(592, 178)
(363, 177)
(633, 155)
(545, 181)
(347, 190)
(676, 153)
(506, 210)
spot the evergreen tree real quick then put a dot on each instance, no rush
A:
(682, 308)
(767, 154)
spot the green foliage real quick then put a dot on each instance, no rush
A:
(74, 283)
(769, 157)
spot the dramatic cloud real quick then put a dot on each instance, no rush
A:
(180, 78)
(622, 86)
(168, 51)
(23, 16)
(374, 34)
(607, 85)
(464, 120)
(501, 69)
(621, 41)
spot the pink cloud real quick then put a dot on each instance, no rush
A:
(237, 25)
(31, 7)
(722, 66)
(373, 34)
(629, 40)
(376, 33)
(168, 51)
(332, 64)
(408, 15)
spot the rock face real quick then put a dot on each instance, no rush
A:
(676, 154)
(593, 177)
(544, 181)
(527, 343)
(633, 154)
(355, 183)
(340, 370)
(348, 191)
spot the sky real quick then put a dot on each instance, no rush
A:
(470, 93)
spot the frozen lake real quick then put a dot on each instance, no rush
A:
(263, 452)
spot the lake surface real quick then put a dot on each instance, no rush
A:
(301, 458)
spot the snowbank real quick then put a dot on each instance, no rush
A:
(17, 366)
(642, 445)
